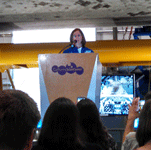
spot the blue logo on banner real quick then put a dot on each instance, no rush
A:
(69, 69)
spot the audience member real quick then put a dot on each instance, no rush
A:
(93, 126)
(129, 137)
(78, 42)
(143, 133)
(61, 128)
(19, 116)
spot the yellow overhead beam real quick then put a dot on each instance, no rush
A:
(111, 53)
(123, 52)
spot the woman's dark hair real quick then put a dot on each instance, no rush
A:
(83, 38)
(60, 127)
(92, 124)
(143, 133)
(147, 96)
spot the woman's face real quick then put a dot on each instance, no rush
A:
(78, 37)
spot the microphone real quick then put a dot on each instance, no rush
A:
(73, 43)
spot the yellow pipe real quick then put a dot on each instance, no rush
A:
(116, 53)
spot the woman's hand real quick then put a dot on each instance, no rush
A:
(134, 109)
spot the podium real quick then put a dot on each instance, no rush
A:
(69, 75)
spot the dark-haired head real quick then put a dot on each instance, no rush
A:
(91, 123)
(147, 96)
(143, 134)
(87, 105)
(60, 124)
(83, 42)
(19, 116)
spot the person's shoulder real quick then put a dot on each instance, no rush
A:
(131, 135)
(69, 50)
(130, 142)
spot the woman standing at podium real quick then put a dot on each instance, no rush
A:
(78, 42)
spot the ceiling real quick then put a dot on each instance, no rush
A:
(44, 14)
